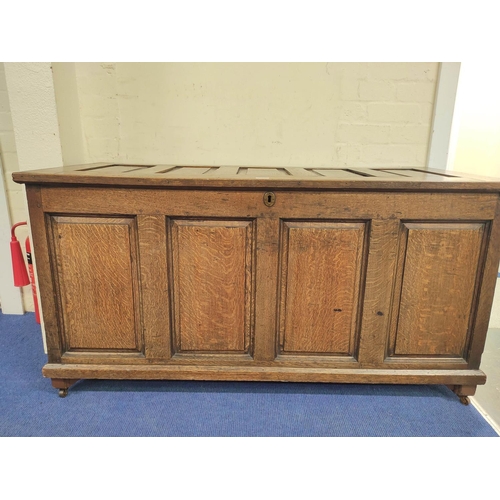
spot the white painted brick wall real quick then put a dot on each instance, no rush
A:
(15, 192)
(393, 112)
(276, 114)
(8, 144)
(404, 71)
(384, 153)
(363, 134)
(353, 111)
(5, 119)
(410, 134)
(349, 88)
(421, 155)
(426, 112)
(377, 90)
(416, 92)
(348, 154)
(397, 99)
(4, 101)
(100, 116)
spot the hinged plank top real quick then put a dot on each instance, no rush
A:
(404, 178)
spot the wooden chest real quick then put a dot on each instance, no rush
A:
(251, 273)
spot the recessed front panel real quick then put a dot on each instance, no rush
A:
(97, 282)
(321, 269)
(212, 284)
(438, 268)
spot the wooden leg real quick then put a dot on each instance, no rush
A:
(463, 392)
(63, 384)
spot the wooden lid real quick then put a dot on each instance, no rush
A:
(404, 178)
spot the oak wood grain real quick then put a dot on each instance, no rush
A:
(185, 172)
(61, 383)
(486, 289)
(321, 265)
(251, 176)
(381, 266)
(282, 374)
(339, 174)
(266, 325)
(289, 204)
(47, 292)
(213, 289)
(96, 261)
(154, 286)
(439, 267)
(421, 175)
(263, 173)
(463, 390)
(213, 284)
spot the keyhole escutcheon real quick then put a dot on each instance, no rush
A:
(269, 199)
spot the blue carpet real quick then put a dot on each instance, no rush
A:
(29, 406)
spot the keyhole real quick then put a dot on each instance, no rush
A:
(269, 199)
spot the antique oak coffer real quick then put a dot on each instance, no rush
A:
(249, 273)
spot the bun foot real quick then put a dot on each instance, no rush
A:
(463, 392)
(63, 384)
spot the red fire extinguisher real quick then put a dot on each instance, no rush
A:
(19, 268)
